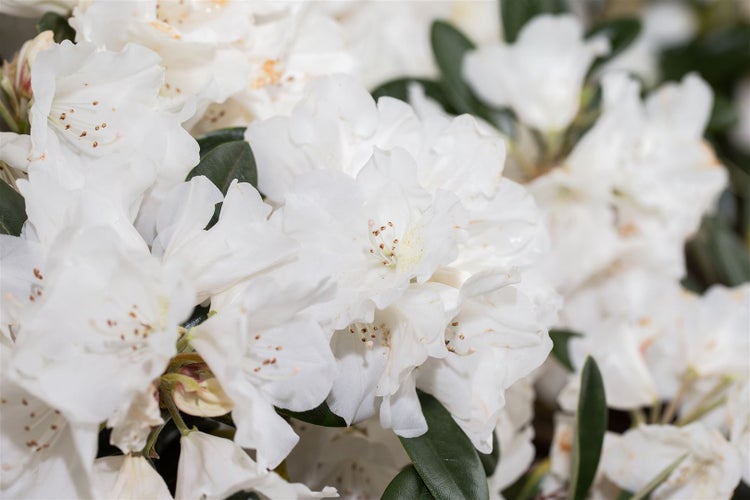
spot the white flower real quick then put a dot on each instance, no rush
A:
(338, 126)
(265, 351)
(103, 106)
(715, 340)
(243, 242)
(498, 337)
(286, 51)
(128, 476)
(42, 453)
(631, 319)
(376, 360)
(100, 134)
(711, 468)
(213, 468)
(195, 40)
(359, 461)
(118, 311)
(541, 75)
(642, 178)
(374, 234)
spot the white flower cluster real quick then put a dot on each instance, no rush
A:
(389, 255)
(385, 250)
(619, 208)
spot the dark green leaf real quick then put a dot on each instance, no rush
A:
(490, 460)
(199, 315)
(514, 14)
(644, 492)
(721, 57)
(399, 89)
(243, 495)
(444, 456)
(742, 492)
(209, 141)
(322, 415)
(12, 210)
(620, 32)
(59, 26)
(717, 255)
(591, 424)
(723, 115)
(227, 162)
(560, 339)
(407, 485)
(449, 46)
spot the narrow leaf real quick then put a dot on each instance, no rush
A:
(59, 26)
(490, 460)
(322, 415)
(407, 484)
(591, 424)
(12, 210)
(660, 478)
(209, 141)
(444, 456)
(399, 89)
(560, 339)
(226, 162)
(620, 32)
(515, 14)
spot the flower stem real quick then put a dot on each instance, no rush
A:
(707, 403)
(6, 116)
(174, 411)
(687, 381)
(653, 416)
(148, 450)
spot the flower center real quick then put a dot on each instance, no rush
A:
(369, 333)
(383, 243)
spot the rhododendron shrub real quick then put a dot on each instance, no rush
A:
(237, 263)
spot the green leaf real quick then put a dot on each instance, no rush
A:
(227, 162)
(399, 89)
(591, 424)
(444, 456)
(723, 115)
(717, 255)
(449, 46)
(660, 478)
(721, 57)
(209, 141)
(322, 415)
(12, 210)
(490, 460)
(620, 32)
(515, 14)
(59, 26)
(560, 339)
(407, 484)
